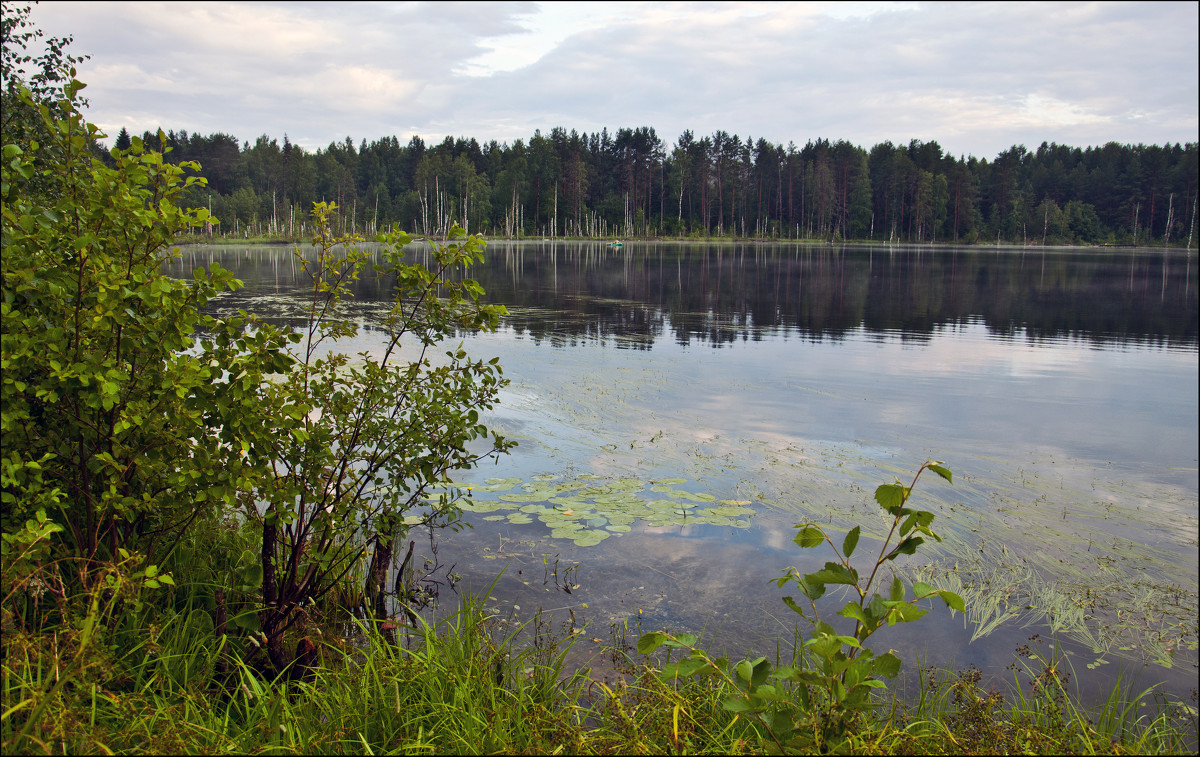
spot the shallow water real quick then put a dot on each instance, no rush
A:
(758, 386)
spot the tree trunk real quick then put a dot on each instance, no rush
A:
(269, 618)
(377, 580)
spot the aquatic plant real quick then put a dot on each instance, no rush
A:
(587, 509)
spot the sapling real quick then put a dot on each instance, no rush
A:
(829, 691)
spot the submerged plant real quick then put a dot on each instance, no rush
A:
(817, 702)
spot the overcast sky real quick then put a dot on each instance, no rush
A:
(975, 77)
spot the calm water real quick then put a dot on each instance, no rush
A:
(785, 382)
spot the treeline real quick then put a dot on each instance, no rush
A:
(631, 185)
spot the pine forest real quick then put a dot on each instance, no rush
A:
(631, 184)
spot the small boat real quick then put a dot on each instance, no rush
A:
(616, 244)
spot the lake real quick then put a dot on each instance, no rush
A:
(681, 407)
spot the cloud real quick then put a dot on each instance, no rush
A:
(978, 77)
(246, 32)
(1048, 112)
(124, 75)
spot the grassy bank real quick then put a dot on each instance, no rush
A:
(165, 682)
(131, 663)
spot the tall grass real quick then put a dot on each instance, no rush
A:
(159, 679)
(953, 714)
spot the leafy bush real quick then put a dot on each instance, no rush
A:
(130, 414)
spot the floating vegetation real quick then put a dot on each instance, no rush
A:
(1103, 553)
(1110, 609)
(588, 509)
(1102, 557)
(1047, 551)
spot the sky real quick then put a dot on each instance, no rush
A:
(976, 77)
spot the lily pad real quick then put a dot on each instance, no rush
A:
(484, 506)
(693, 496)
(590, 538)
(588, 509)
(489, 486)
(521, 498)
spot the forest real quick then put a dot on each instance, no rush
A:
(630, 184)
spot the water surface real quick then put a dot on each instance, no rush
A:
(782, 383)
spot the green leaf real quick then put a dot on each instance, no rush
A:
(783, 724)
(685, 668)
(903, 612)
(745, 669)
(833, 573)
(762, 669)
(854, 612)
(886, 665)
(858, 670)
(754, 672)
(791, 603)
(812, 590)
(838, 690)
(740, 705)
(798, 675)
(877, 609)
(943, 472)
(683, 640)
(906, 547)
(952, 600)
(809, 536)
(890, 497)
(651, 641)
(247, 621)
(252, 576)
(851, 541)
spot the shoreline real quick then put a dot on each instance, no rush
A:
(610, 241)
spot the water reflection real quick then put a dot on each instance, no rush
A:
(721, 294)
(1059, 384)
(565, 292)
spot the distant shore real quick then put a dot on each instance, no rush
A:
(275, 241)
